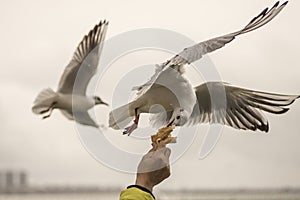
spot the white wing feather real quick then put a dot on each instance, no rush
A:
(83, 65)
(195, 52)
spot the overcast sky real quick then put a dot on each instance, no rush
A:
(38, 39)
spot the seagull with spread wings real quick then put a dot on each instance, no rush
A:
(71, 98)
(170, 96)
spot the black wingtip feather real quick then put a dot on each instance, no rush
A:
(260, 15)
(264, 127)
(284, 4)
(284, 110)
(276, 4)
(263, 13)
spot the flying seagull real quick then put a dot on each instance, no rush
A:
(169, 95)
(70, 100)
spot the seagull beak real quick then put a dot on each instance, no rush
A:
(104, 103)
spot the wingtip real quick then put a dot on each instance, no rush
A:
(284, 110)
(276, 4)
(263, 13)
(103, 22)
(266, 128)
(285, 3)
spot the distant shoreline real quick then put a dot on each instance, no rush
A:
(95, 189)
(59, 190)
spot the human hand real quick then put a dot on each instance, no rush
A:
(154, 167)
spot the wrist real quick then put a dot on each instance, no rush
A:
(144, 182)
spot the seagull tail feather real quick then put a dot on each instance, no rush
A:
(120, 117)
(44, 100)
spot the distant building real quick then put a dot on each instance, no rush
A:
(23, 179)
(2, 181)
(11, 180)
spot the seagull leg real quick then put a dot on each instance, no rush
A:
(128, 130)
(49, 114)
(49, 111)
(45, 111)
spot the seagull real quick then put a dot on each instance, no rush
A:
(163, 94)
(70, 100)
(171, 99)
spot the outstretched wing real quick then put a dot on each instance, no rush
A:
(240, 108)
(80, 117)
(67, 114)
(85, 119)
(84, 63)
(195, 52)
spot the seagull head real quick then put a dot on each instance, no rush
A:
(98, 100)
(181, 118)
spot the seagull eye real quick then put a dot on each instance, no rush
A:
(178, 117)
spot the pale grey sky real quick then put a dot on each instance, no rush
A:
(38, 39)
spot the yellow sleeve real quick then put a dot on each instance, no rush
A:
(136, 193)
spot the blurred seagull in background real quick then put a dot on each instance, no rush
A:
(70, 97)
(173, 101)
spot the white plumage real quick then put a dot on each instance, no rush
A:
(71, 97)
(173, 101)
